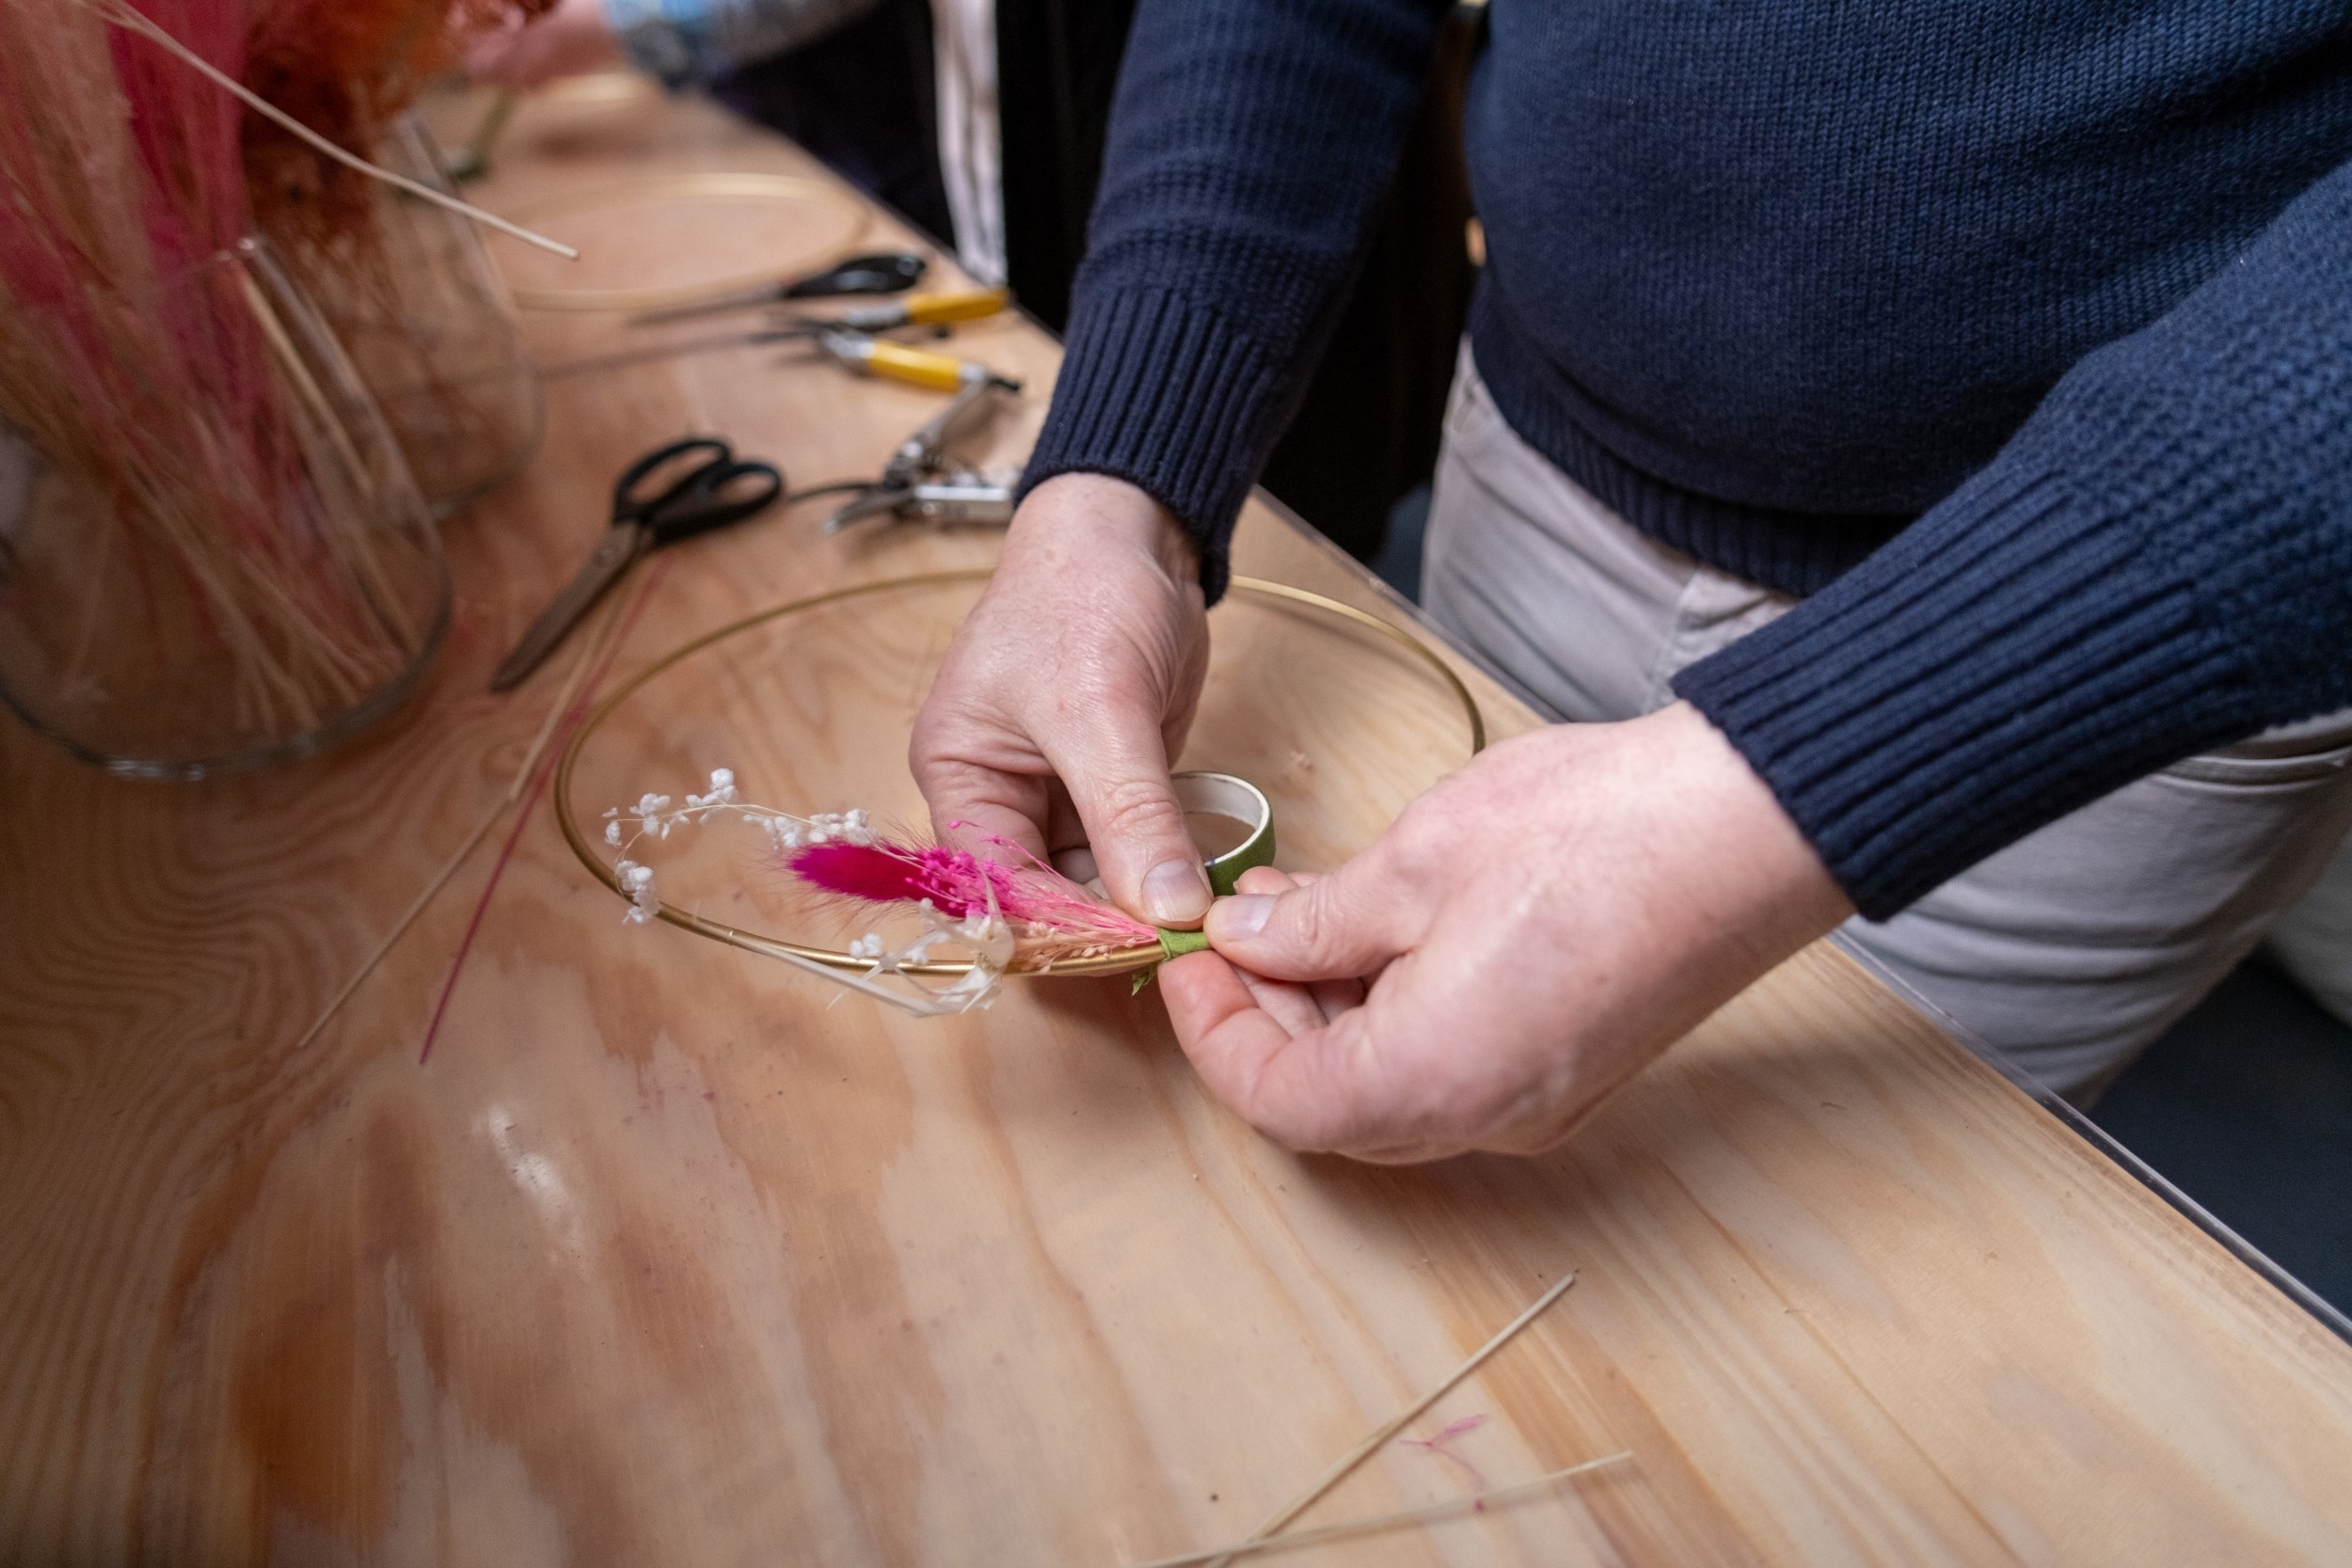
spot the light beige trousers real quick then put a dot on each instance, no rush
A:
(2071, 950)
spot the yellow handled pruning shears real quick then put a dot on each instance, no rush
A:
(918, 310)
(849, 336)
(933, 373)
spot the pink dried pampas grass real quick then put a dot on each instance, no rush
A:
(1053, 918)
(209, 500)
(345, 69)
(1007, 915)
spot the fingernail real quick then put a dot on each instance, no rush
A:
(1239, 918)
(1175, 893)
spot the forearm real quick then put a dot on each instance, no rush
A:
(1247, 145)
(2160, 561)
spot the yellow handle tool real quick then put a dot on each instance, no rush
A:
(925, 310)
(936, 372)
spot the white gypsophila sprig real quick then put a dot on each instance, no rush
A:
(637, 883)
(654, 817)
(984, 933)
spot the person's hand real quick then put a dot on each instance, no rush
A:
(1068, 689)
(569, 40)
(1519, 941)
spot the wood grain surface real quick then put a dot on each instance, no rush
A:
(669, 1255)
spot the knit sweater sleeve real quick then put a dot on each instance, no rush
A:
(1247, 145)
(2159, 561)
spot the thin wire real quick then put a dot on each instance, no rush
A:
(1383, 1521)
(123, 16)
(1371, 1445)
(566, 698)
(400, 926)
(573, 704)
(473, 840)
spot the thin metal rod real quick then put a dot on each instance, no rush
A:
(1365, 1449)
(480, 830)
(408, 918)
(619, 619)
(1384, 1521)
(126, 17)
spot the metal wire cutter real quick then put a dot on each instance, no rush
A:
(918, 483)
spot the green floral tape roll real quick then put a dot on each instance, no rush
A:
(1231, 821)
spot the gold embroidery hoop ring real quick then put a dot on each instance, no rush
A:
(849, 215)
(1122, 960)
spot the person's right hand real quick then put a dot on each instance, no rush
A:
(1068, 691)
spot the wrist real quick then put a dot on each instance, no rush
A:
(1086, 513)
(1768, 870)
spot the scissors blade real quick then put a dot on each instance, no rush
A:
(622, 544)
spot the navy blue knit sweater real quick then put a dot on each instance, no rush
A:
(2015, 333)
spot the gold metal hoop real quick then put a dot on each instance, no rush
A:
(597, 89)
(717, 185)
(1120, 961)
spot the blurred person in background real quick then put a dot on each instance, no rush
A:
(984, 121)
(852, 81)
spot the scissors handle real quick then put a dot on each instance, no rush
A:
(710, 494)
(720, 494)
(630, 506)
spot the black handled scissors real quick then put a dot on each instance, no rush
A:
(713, 493)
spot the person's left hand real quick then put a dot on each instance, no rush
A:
(1524, 938)
(569, 40)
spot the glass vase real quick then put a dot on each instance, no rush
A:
(424, 313)
(212, 554)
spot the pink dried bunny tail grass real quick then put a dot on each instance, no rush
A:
(165, 384)
(1052, 917)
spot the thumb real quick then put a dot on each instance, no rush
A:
(1341, 926)
(1121, 791)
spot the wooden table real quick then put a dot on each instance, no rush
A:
(665, 1258)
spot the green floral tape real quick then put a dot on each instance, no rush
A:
(1175, 944)
(1236, 799)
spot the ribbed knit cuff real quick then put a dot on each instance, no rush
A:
(2012, 656)
(1163, 394)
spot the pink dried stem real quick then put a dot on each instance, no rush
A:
(1439, 1444)
(600, 661)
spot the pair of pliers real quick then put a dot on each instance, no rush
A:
(917, 481)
